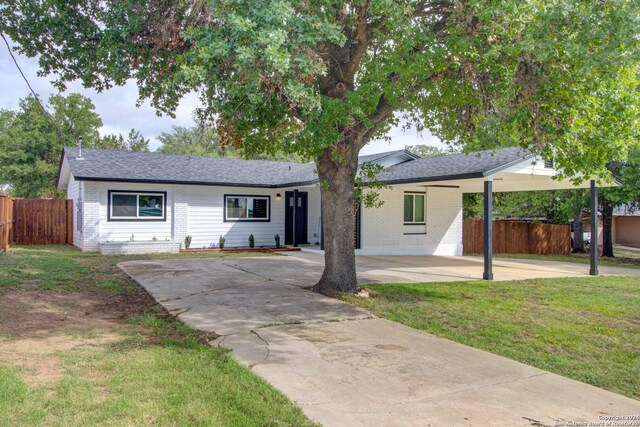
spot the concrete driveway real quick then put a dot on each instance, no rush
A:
(345, 367)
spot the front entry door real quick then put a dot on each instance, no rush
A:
(295, 223)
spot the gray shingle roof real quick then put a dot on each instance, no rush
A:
(453, 166)
(109, 165)
(124, 166)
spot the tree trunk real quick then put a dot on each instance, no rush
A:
(607, 225)
(337, 184)
(578, 234)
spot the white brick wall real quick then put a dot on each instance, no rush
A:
(197, 211)
(384, 232)
(180, 213)
(91, 216)
(132, 248)
(73, 193)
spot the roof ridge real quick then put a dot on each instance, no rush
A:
(190, 156)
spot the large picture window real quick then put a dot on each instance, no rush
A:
(246, 208)
(414, 208)
(137, 206)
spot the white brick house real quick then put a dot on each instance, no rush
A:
(128, 202)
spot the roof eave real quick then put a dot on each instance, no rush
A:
(507, 165)
(166, 181)
(434, 178)
(60, 164)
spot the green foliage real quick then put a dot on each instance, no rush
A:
(31, 144)
(252, 241)
(31, 141)
(277, 239)
(559, 78)
(187, 242)
(135, 142)
(629, 173)
(221, 241)
(195, 141)
(426, 151)
(556, 206)
(367, 188)
(204, 141)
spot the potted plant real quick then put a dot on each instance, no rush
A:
(251, 241)
(277, 238)
(221, 242)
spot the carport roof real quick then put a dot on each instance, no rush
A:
(125, 166)
(454, 166)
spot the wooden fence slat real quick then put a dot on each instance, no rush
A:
(42, 221)
(515, 237)
(6, 221)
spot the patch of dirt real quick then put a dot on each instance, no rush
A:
(36, 325)
(45, 313)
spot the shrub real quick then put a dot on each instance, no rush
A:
(277, 238)
(252, 241)
(221, 242)
(187, 242)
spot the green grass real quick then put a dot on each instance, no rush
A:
(177, 381)
(623, 258)
(65, 268)
(583, 328)
(153, 371)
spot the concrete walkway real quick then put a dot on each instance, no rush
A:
(345, 367)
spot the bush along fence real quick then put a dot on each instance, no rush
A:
(6, 221)
(513, 237)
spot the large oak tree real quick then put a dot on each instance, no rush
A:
(324, 77)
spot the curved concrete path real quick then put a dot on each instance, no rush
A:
(345, 367)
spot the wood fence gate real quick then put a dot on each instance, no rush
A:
(6, 221)
(513, 237)
(42, 221)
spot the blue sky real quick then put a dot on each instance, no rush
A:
(117, 106)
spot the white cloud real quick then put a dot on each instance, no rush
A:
(117, 107)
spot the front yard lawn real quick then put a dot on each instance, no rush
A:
(587, 329)
(624, 257)
(81, 344)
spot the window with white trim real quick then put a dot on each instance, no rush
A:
(414, 208)
(134, 206)
(246, 208)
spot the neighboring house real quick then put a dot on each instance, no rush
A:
(127, 202)
(626, 226)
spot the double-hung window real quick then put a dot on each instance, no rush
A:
(246, 208)
(414, 208)
(137, 206)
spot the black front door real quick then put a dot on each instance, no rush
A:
(295, 218)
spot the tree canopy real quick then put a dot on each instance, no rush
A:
(425, 151)
(135, 142)
(204, 141)
(321, 78)
(31, 141)
(554, 76)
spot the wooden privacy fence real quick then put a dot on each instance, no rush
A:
(6, 221)
(42, 221)
(511, 237)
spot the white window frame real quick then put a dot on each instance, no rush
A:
(413, 195)
(137, 194)
(247, 196)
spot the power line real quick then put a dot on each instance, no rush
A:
(35, 95)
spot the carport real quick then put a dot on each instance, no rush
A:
(445, 179)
